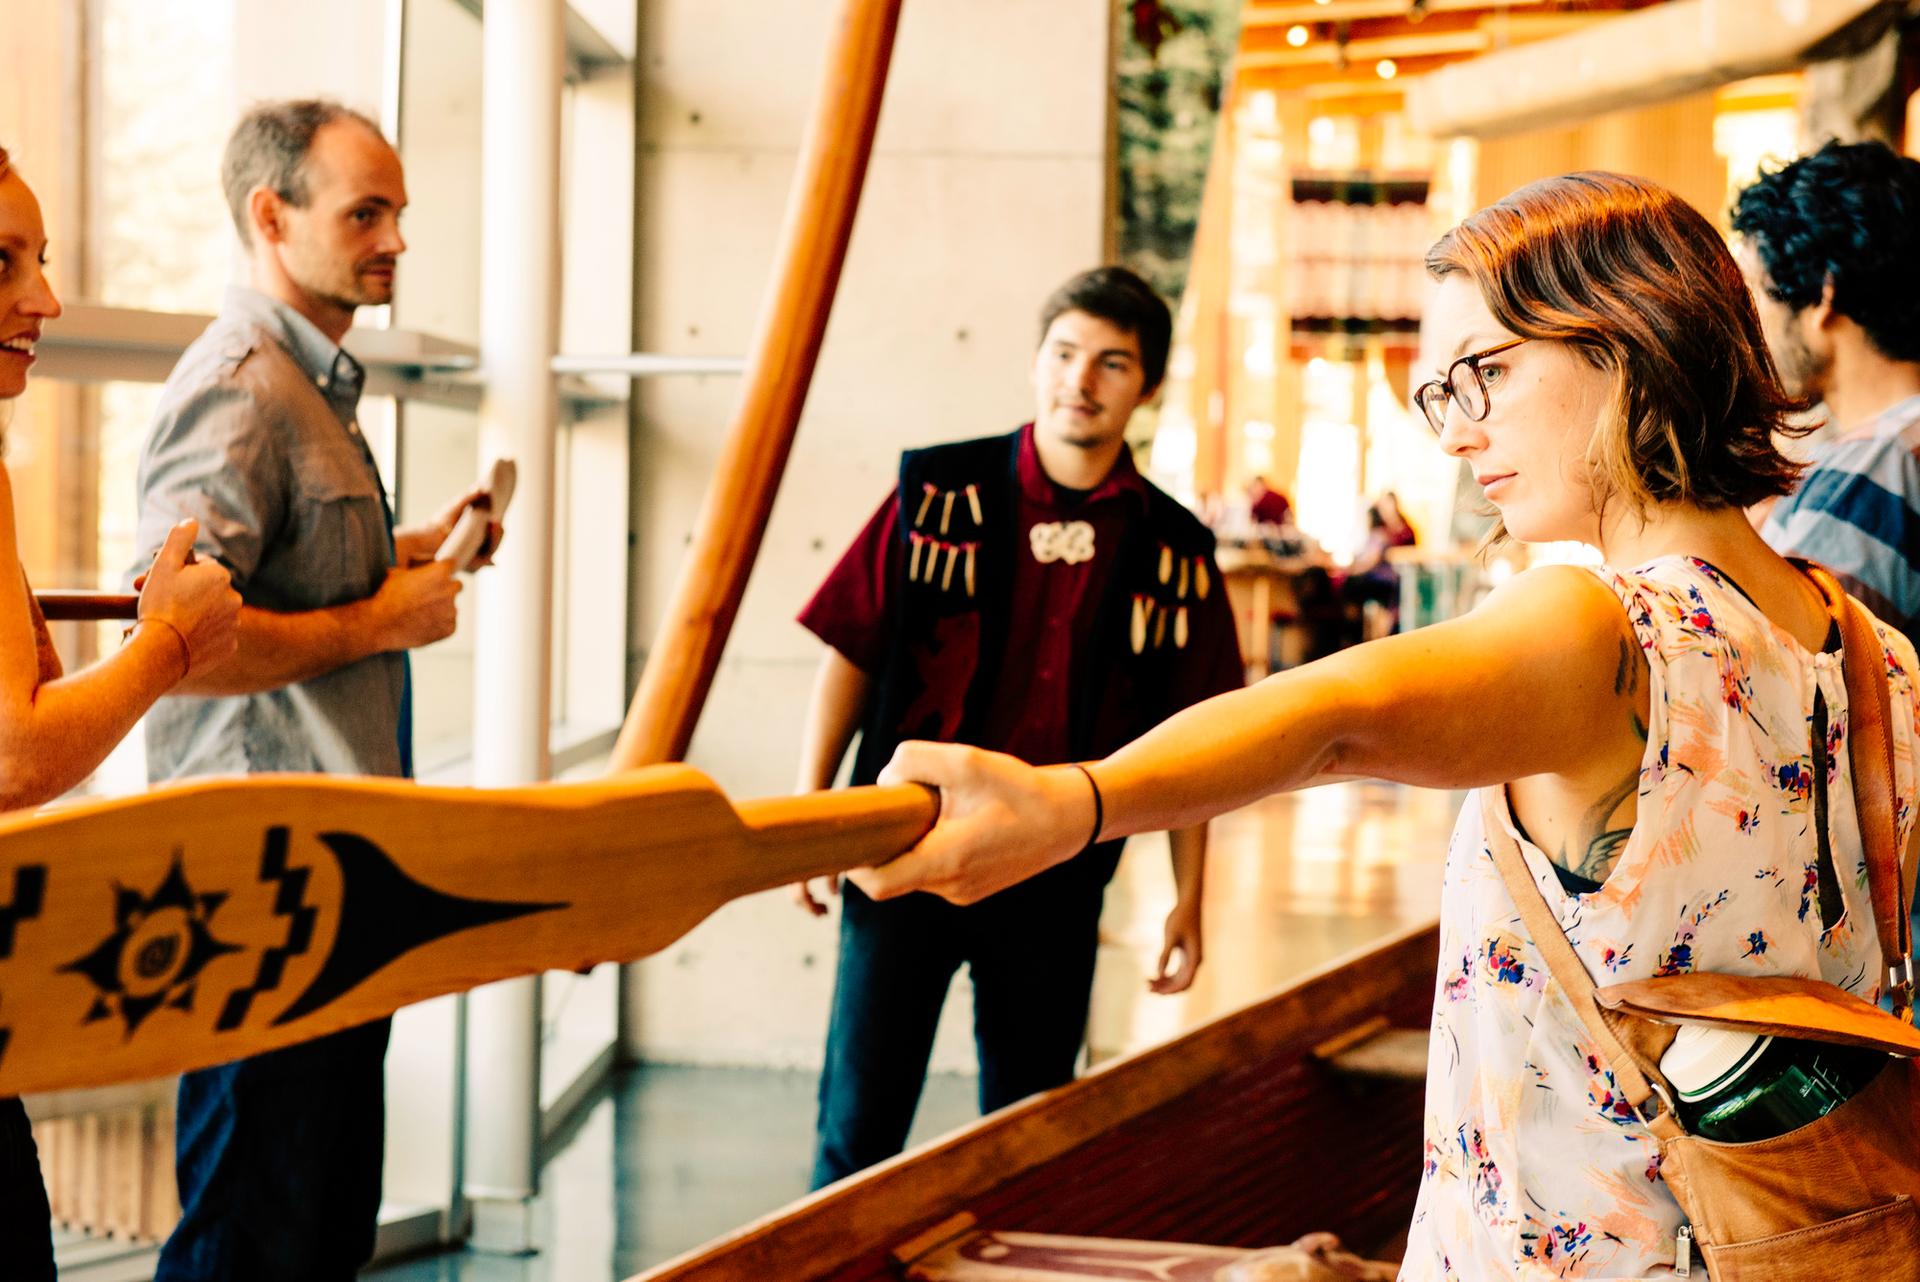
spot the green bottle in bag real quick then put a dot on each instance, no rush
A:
(1740, 1087)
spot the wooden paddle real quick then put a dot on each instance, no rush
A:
(214, 919)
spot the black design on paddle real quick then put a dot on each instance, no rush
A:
(29, 894)
(159, 945)
(289, 902)
(385, 914)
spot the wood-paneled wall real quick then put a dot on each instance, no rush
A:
(1671, 144)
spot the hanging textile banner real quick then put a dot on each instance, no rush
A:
(1171, 73)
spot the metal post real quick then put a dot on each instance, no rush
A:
(523, 52)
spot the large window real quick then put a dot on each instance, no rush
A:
(160, 236)
(117, 111)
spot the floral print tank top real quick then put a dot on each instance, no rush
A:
(1533, 1166)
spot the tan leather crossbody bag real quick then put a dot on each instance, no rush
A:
(1835, 1199)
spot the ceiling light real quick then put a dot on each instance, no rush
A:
(1297, 35)
(1386, 68)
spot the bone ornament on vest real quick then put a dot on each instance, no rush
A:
(216, 919)
(940, 558)
(1069, 541)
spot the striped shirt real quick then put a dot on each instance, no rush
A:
(1857, 512)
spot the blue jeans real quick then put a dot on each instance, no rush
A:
(279, 1162)
(26, 1226)
(1030, 951)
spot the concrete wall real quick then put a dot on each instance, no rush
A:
(986, 190)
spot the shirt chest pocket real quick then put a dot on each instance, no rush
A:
(339, 523)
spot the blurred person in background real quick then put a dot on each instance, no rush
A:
(1830, 246)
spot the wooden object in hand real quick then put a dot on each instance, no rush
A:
(813, 245)
(215, 919)
(71, 605)
(1234, 1134)
(1048, 1257)
(1045, 1257)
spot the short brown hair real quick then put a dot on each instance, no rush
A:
(1637, 282)
(1124, 300)
(269, 147)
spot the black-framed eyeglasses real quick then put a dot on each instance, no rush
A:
(1470, 393)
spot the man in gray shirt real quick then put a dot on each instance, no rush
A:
(256, 436)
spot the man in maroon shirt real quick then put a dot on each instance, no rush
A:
(1034, 594)
(1267, 505)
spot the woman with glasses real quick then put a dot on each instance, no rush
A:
(1643, 730)
(55, 729)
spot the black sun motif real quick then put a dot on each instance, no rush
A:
(156, 953)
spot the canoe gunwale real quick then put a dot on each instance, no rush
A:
(918, 1194)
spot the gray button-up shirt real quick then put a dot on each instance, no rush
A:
(255, 437)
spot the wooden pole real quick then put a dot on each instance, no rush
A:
(826, 194)
(67, 605)
(222, 918)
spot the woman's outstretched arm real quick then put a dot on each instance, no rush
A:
(55, 730)
(1542, 678)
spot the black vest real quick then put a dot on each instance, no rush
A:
(960, 531)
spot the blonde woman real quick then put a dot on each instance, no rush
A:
(1662, 736)
(55, 728)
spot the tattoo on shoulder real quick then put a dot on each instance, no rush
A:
(1603, 852)
(1626, 674)
(1600, 846)
(1626, 683)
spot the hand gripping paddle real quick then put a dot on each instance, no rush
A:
(215, 919)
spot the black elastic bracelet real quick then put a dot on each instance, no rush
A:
(1099, 807)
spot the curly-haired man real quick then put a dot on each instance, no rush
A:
(1829, 248)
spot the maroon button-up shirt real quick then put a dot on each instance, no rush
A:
(1053, 610)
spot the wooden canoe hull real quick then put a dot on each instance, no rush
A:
(1236, 1134)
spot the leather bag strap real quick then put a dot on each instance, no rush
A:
(1563, 963)
(1870, 753)
(1870, 749)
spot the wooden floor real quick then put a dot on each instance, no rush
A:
(1293, 882)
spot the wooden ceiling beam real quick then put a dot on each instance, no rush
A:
(1326, 53)
(1343, 99)
(1356, 75)
(1448, 36)
(1275, 37)
(1635, 60)
(1287, 12)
